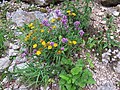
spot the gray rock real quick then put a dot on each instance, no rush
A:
(110, 3)
(107, 86)
(117, 68)
(21, 17)
(14, 46)
(22, 65)
(12, 52)
(4, 63)
(116, 13)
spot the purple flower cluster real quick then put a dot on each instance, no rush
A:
(58, 13)
(62, 48)
(24, 53)
(76, 24)
(51, 43)
(81, 33)
(45, 22)
(64, 40)
(64, 20)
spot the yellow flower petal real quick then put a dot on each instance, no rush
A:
(74, 42)
(49, 47)
(53, 27)
(35, 45)
(43, 43)
(68, 11)
(55, 45)
(53, 20)
(42, 31)
(38, 52)
(73, 14)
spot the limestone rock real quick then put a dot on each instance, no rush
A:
(4, 63)
(110, 3)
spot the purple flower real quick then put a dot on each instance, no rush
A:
(34, 51)
(64, 40)
(81, 33)
(64, 17)
(45, 22)
(23, 55)
(62, 48)
(76, 24)
(51, 43)
(64, 21)
(58, 13)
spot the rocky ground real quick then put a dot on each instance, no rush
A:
(106, 72)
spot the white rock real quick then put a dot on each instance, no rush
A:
(12, 52)
(22, 87)
(118, 55)
(116, 13)
(100, 13)
(14, 46)
(117, 68)
(103, 22)
(22, 65)
(4, 63)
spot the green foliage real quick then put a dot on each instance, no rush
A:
(77, 77)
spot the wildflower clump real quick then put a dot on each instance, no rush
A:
(52, 41)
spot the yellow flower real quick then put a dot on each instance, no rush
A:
(55, 45)
(53, 20)
(30, 25)
(38, 52)
(35, 45)
(41, 30)
(53, 27)
(43, 43)
(70, 42)
(59, 52)
(74, 42)
(34, 38)
(73, 14)
(49, 47)
(48, 43)
(41, 40)
(68, 11)
(26, 38)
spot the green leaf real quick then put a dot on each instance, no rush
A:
(76, 70)
(91, 80)
(82, 84)
(80, 63)
(61, 82)
(66, 61)
(65, 77)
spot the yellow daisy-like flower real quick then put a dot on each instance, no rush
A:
(49, 47)
(30, 25)
(68, 11)
(48, 43)
(43, 43)
(35, 45)
(53, 27)
(53, 20)
(73, 14)
(38, 52)
(55, 44)
(74, 42)
(42, 31)
(59, 52)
